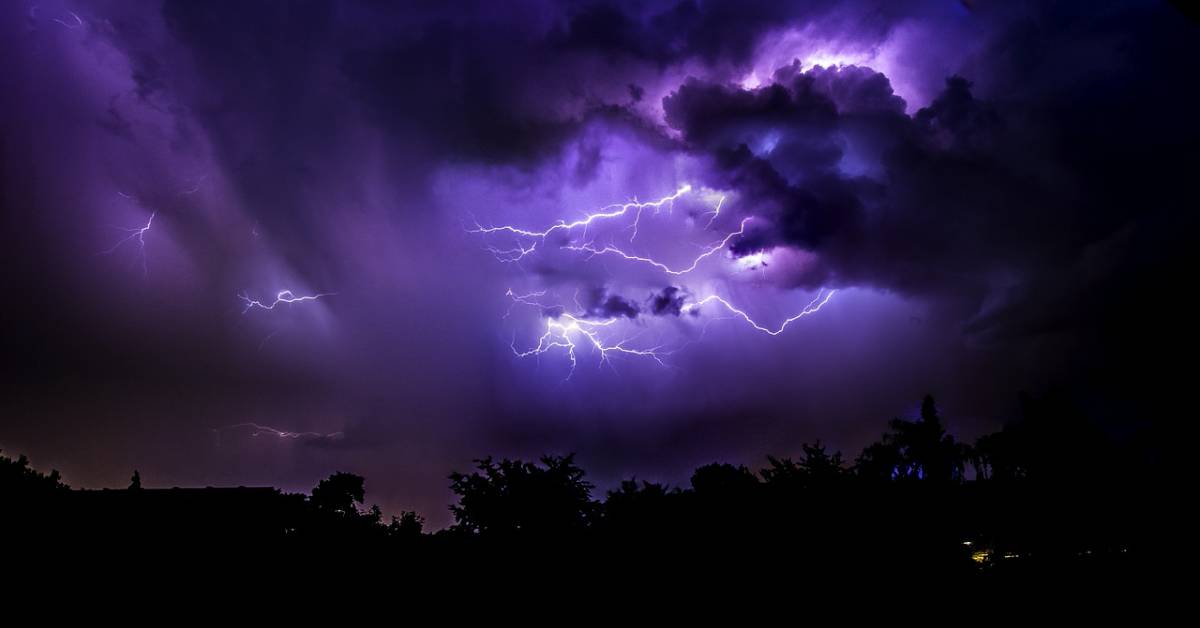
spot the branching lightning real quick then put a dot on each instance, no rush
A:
(281, 297)
(569, 333)
(611, 211)
(138, 234)
(588, 248)
(566, 330)
(523, 299)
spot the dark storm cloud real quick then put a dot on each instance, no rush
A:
(478, 81)
(671, 31)
(715, 33)
(598, 303)
(668, 302)
(964, 190)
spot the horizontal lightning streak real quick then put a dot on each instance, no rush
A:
(283, 296)
(266, 429)
(610, 211)
(812, 308)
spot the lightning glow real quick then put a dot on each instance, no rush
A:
(752, 261)
(281, 297)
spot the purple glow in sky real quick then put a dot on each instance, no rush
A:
(658, 234)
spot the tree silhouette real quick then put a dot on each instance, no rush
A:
(915, 450)
(17, 477)
(407, 526)
(642, 508)
(816, 468)
(722, 479)
(1043, 486)
(338, 494)
(511, 497)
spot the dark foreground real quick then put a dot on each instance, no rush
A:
(904, 512)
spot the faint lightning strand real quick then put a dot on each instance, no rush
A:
(523, 299)
(264, 340)
(511, 255)
(283, 434)
(77, 24)
(195, 187)
(714, 213)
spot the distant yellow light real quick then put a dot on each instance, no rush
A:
(981, 556)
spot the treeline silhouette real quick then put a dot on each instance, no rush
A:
(1048, 490)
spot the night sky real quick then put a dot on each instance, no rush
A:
(253, 243)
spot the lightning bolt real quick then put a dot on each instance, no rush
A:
(588, 248)
(139, 234)
(615, 210)
(714, 213)
(283, 296)
(813, 307)
(570, 333)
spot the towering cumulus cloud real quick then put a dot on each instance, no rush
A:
(404, 235)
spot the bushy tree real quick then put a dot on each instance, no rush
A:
(723, 479)
(817, 468)
(407, 526)
(338, 495)
(512, 496)
(915, 450)
(17, 477)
